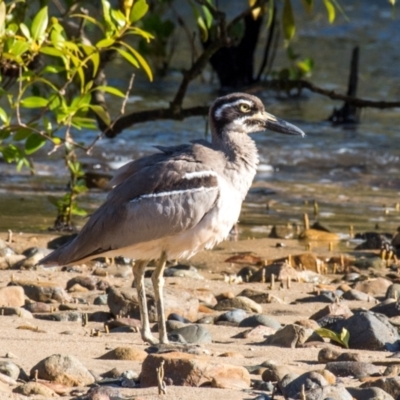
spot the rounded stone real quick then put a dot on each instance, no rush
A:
(260, 319)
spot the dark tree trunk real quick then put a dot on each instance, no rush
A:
(235, 65)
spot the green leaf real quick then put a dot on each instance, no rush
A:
(138, 10)
(342, 338)
(34, 102)
(119, 17)
(19, 47)
(107, 42)
(2, 17)
(4, 116)
(25, 30)
(111, 90)
(330, 8)
(82, 122)
(75, 210)
(34, 143)
(107, 16)
(95, 59)
(39, 24)
(141, 60)
(51, 51)
(128, 57)
(289, 27)
(308, 6)
(101, 113)
(21, 134)
(208, 17)
(4, 134)
(271, 11)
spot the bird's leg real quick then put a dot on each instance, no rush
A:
(158, 283)
(138, 272)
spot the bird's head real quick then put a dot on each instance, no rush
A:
(244, 113)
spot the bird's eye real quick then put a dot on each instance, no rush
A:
(244, 108)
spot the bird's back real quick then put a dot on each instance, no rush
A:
(156, 198)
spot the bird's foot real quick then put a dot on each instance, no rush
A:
(149, 338)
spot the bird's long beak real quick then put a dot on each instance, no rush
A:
(279, 125)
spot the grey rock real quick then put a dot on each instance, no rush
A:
(352, 368)
(12, 296)
(241, 302)
(101, 300)
(10, 369)
(333, 392)
(62, 316)
(43, 291)
(370, 262)
(374, 287)
(124, 302)
(102, 393)
(372, 393)
(5, 250)
(171, 325)
(35, 388)
(292, 336)
(40, 307)
(234, 316)
(208, 320)
(184, 273)
(291, 386)
(390, 385)
(177, 317)
(389, 307)
(369, 331)
(255, 295)
(354, 294)
(393, 291)
(88, 282)
(63, 369)
(20, 312)
(192, 334)
(260, 319)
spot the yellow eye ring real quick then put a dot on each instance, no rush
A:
(245, 108)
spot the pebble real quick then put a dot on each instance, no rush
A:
(234, 316)
(291, 336)
(191, 334)
(10, 369)
(241, 302)
(369, 331)
(35, 388)
(71, 316)
(12, 296)
(352, 368)
(182, 369)
(260, 319)
(374, 287)
(64, 369)
(125, 353)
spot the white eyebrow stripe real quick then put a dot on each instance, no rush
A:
(173, 192)
(199, 174)
(218, 111)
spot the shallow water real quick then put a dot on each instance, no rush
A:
(353, 174)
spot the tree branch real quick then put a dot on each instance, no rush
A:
(151, 115)
(355, 101)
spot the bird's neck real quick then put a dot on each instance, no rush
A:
(242, 158)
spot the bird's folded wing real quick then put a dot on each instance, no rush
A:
(156, 202)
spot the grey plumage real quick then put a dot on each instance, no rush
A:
(178, 201)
